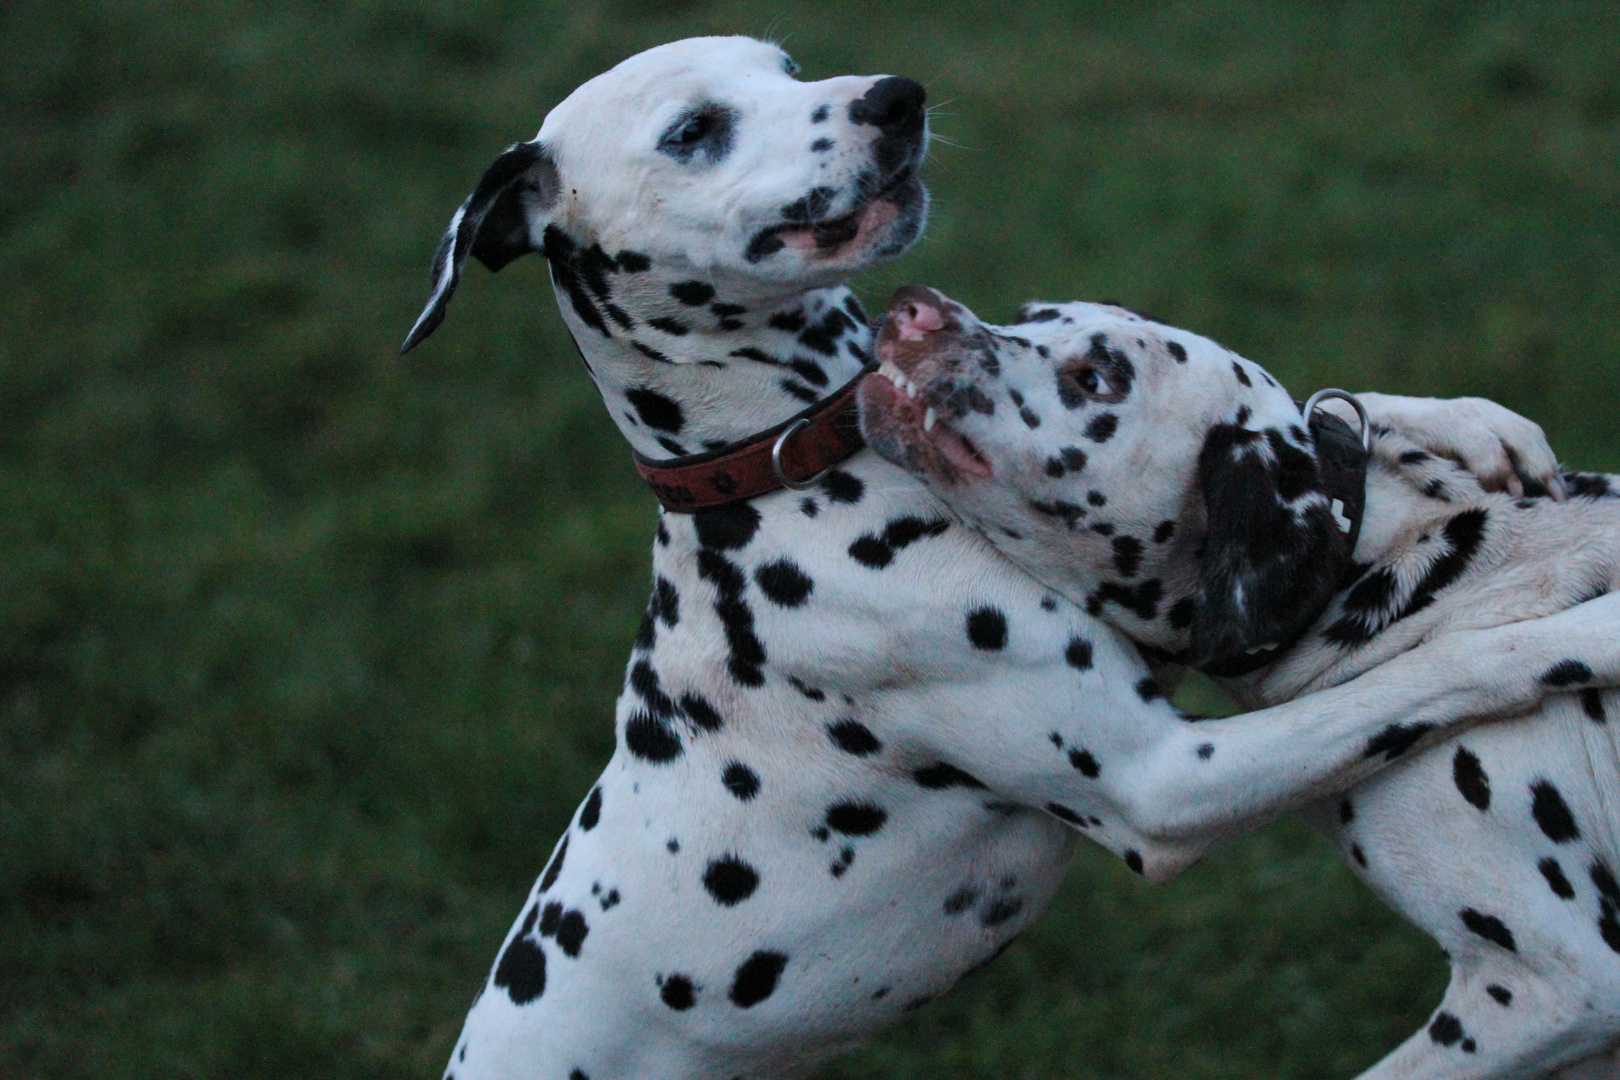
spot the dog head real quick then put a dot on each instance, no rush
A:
(1167, 482)
(708, 160)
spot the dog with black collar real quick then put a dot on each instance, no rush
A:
(1175, 490)
(855, 742)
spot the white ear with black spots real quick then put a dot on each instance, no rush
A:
(496, 224)
(1272, 556)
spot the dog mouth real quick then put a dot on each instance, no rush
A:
(861, 224)
(902, 424)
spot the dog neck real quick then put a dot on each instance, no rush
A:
(687, 365)
(1410, 495)
(1424, 522)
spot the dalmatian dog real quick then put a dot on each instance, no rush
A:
(1169, 487)
(855, 743)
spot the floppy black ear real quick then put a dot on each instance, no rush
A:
(1273, 556)
(495, 225)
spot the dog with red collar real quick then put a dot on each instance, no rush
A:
(855, 743)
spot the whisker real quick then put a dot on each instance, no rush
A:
(770, 31)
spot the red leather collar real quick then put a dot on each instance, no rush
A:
(793, 454)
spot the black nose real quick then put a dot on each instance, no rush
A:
(890, 103)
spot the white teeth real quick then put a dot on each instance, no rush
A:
(928, 420)
(898, 378)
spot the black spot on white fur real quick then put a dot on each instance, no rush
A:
(987, 629)
(650, 739)
(1395, 740)
(1470, 778)
(726, 527)
(1552, 813)
(655, 410)
(1488, 927)
(591, 812)
(843, 488)
(1063, 813)
(678, 992)
(582, 273)
(783, 583)
(730, 880)
(1447, 1030)
(740, 780)
(521, 970)
(878, 551)
(941, 775)
(1556, 881)
(856, 818)
(696, 708)
(1373, 603)
(756, 978)
(1567, 673)
(854, 737)
(1127, 555)
(1085, 762)
(1102, 427)
(571, 932)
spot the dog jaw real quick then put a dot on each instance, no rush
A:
(907, 404)
(903, 428)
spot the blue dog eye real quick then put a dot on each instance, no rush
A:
(789, 66)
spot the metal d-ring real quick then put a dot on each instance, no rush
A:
(1343, 395)
(776, 460)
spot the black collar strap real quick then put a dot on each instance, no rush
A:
(1342, 456)
(1341, 461)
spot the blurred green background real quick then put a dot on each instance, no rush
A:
(307, 652)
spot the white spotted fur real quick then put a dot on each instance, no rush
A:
(1551, 1001)
(955, 872)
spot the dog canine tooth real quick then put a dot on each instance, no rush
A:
(929, 418)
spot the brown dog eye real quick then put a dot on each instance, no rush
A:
(1082, 382)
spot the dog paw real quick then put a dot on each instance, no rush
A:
(1505, 451)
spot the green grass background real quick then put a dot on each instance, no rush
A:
(307, 652)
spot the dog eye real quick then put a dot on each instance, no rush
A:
(694, 129)
(1085, 381)
(706, 130)
(789, 66)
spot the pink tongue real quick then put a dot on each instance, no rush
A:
(956, 451)
(799, 239)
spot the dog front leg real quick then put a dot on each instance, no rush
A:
(1203, 781)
